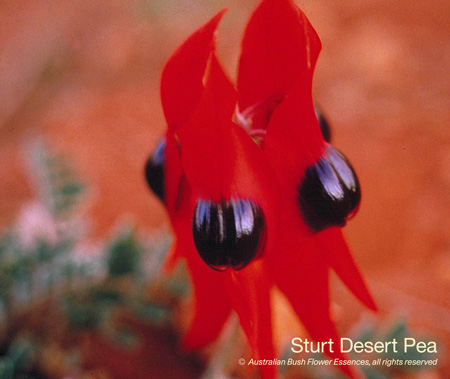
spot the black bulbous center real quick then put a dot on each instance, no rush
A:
(228, 233)
(155, 170)
(329, 193)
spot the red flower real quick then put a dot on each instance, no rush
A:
(248, 182)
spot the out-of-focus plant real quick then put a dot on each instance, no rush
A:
(46, 266)
(123, 286)
(38, 255)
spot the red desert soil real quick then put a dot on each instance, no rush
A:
(85, 75)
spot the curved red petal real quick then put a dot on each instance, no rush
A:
(294, 141)
(219, 159)
(210, 300)
(205, 140)
(250, 292)
(343, 264)
(175, 188)
(211, 303)
(178, 204)
(181, 81)
(302, 275)
(279, 44)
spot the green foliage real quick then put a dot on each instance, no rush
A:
(17, 359)
(177, 284)
(156, 314)
(87, 292)
(81, 314)
(56, 183)
(123, 255)
(122, 288)
(21, 352)
(6, 368)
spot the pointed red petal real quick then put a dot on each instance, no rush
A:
(279, 44)
(181, 82)
(220, 160)
(178, 204)
(175, 188)
(211, 303)
(343, 264)
(294, 141)
(205, 139)
(250, 292)
(302, 275)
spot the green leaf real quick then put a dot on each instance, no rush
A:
(82, 315)
(123, 255)
(6, 368)
(106, 296)
(21, 352)
(154, 313)
(398, 331)
(58, 186)
(70, 189)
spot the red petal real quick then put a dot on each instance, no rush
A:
(250, 291)
(176, 189)
(344, 265)
(302, 274)
(279, 44)
(205, 139)
(181, 82)
(294, 141)
(210, 300)
(178, 204)
(219, 159)
(211, 303)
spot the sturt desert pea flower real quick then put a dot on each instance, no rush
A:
(255, 195)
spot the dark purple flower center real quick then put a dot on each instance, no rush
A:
(329, 193)
(228, 233)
